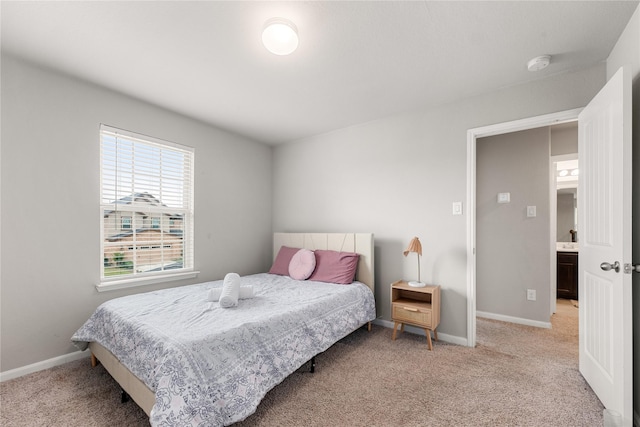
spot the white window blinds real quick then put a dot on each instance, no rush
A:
(146, 206)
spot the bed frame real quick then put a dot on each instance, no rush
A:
(361, 243)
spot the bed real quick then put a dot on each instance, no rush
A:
(186, 361)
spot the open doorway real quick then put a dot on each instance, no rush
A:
(524, 180)
(522, 197)
(472, 136)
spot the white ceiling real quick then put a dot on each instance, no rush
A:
(357, 61)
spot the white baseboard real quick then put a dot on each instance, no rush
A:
(452, 339)
(45, 364)
(511, 319)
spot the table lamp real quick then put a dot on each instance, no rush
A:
(415, 246)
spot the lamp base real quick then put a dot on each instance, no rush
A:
(415, 284)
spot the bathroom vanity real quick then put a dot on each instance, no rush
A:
(567, 270)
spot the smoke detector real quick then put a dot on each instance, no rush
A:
(538, 63)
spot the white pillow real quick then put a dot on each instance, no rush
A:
(302, 264)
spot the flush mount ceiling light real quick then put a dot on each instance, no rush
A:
(539, 62)
(280, 36)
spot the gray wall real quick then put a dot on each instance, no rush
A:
(50, 224)
(398, 177)
(564, 139)
(627, 52)
(511, 256)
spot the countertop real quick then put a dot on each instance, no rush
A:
(567, 247)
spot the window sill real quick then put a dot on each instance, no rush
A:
(113, 285)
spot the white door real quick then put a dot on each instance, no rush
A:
(604, 209)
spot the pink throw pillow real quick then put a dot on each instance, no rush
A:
(302, 264)
(281, 264)
(335, 267)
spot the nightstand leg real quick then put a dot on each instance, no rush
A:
(395, 329)
(435, 335)
(428, 333)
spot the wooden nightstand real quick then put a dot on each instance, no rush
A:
(415, 306)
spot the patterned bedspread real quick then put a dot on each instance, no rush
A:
(212, 366)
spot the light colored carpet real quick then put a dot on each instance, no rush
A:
(516, 376)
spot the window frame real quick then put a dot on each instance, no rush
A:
(125, 225)
(111, 196)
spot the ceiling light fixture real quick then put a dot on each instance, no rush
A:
(538, 63)
(280, 36)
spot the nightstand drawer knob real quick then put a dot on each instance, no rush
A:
(411, 309)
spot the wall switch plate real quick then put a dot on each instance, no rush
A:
(457, 208)
(531, 294)
(504, 197)
(531, 211)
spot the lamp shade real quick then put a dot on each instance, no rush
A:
(414, 246)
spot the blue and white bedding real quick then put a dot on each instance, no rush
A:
(212, 366)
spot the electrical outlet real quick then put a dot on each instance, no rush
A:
(531, 294)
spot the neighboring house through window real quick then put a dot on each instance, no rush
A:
(146, 218)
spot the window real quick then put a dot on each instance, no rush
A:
(143, 177)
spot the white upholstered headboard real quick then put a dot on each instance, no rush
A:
(361, 243)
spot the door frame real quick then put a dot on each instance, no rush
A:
(472, 136)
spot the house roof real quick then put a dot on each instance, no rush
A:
(140, 199)
(129, 233)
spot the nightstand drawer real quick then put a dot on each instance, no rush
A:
(404, 313)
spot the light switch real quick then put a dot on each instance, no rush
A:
(504, 197)
(531, 211)
(457, 208)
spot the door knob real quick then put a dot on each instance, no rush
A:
(606, 266)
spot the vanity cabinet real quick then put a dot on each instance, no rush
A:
(567, 275)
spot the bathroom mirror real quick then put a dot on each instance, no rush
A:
(567, 202)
